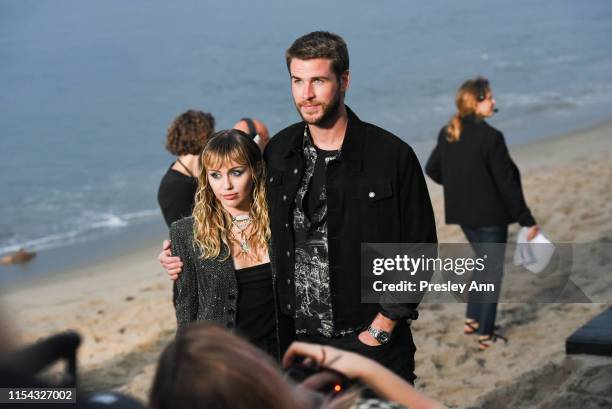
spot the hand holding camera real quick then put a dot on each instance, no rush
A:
(349, 364)
(351, 367)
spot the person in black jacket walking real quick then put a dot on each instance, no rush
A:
(482, 190)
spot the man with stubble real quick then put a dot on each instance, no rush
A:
(335, 182)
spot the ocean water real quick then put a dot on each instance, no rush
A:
(89, 88)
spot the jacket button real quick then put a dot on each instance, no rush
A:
(284, 197)
(286, 225)
(295, 171)
(371, 194)
(288, 281)
(288, 253)
(288, 306)
(271, 179)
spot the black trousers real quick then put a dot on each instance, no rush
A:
(397, 355)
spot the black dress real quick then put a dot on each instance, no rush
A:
(256, 320)
(176, 195)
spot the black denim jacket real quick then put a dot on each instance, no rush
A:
(375, 193)
(206, 289)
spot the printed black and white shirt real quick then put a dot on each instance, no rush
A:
(313, 313)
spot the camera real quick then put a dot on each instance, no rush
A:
(324, 380)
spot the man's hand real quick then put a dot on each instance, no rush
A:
(172, 265)
(533, 231)
(380, 322)
(366, 338)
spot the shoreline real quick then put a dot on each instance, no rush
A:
(61, 263)
(590, 142)
(122, 305)
(53, 264)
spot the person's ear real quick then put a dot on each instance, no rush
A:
(345, 80)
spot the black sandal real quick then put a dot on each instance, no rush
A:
(488, 340)
(472, 326)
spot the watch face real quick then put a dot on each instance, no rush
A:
(383, 337)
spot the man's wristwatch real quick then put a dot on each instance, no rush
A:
(380, 335)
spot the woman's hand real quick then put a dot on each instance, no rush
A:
(533, 231)
(172, 265)
(350, 364)
(382, 381)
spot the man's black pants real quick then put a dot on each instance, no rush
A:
(397, 354)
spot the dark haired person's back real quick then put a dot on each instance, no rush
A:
(176, 195)
(185, 138)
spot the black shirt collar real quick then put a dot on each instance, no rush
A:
(473, 119)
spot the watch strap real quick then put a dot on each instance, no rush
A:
(380, 335)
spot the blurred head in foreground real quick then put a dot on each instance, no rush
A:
(208, 367)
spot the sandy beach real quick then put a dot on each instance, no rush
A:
(123, 308)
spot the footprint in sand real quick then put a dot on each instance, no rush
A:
(463, 358)
(437, 363)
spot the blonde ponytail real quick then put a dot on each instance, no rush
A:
(454, 128)
(466, 100)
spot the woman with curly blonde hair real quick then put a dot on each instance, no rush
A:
(226, 276)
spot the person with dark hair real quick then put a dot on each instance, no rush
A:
(482, 192)
(334, 182)
(208, 367)
(185, 139)
(227, 277)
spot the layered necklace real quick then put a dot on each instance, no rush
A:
(242, 223)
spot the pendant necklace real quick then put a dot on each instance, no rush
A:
(242, 222)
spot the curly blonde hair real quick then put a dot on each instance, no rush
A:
(212, 223)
